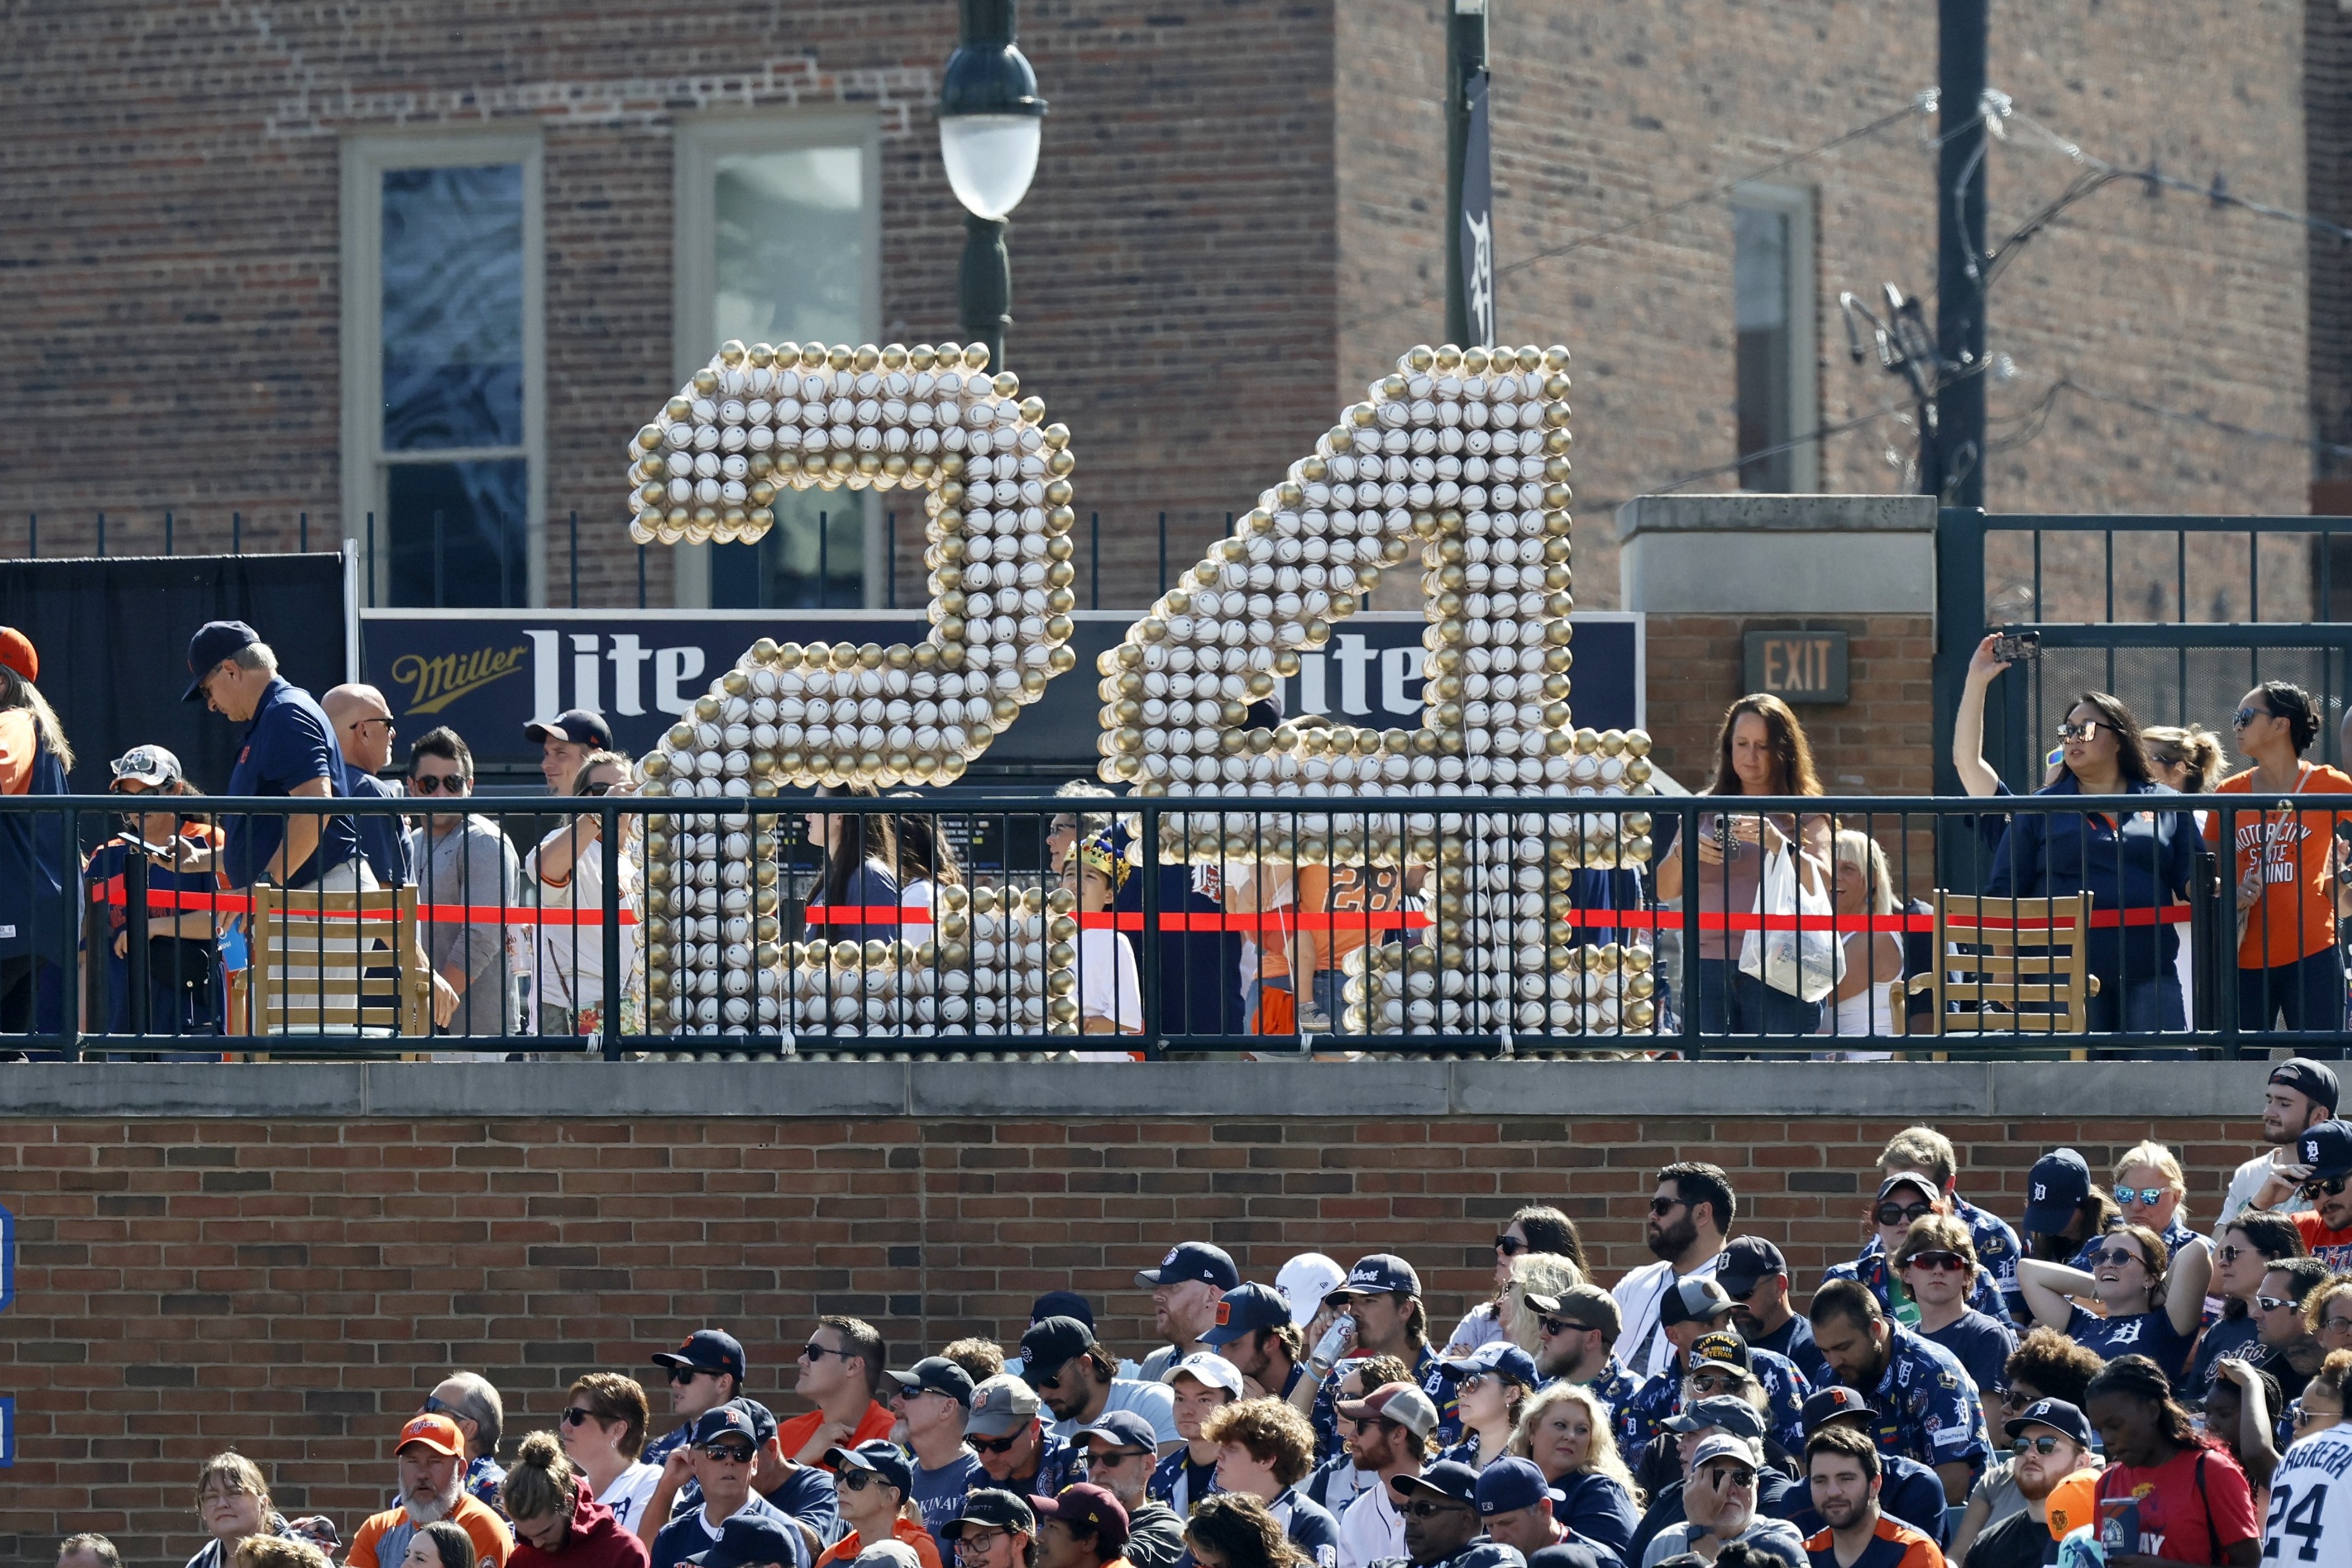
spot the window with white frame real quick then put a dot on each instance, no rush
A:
(778, 238)
(443, 392)
(1777, 355)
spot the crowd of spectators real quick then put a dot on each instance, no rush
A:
(1964, 1390)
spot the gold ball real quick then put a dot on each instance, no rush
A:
(1421, 356)
(1032, 409)
(922, 356)
(975, 357)
(731, 352)
(865, 357)
(840, 356)
(706, 381)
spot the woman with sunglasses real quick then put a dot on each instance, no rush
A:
(2243, 1251)
(1934, 1263)
(2290, 969)
(874, 1480)
(2177, 1486)
(566, 872)
(1565, 1430)
(2142, 862)
(184, 985)
(1537, 1231)
(2151, 1190)
(1491, 1385)
(604, 1433)
(2143, 1310)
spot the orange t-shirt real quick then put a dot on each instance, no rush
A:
(2296, 917)
(488, 1533)
(927, 1551)
(1339, 891)
(796, 1433)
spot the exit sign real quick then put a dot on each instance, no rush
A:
(1797, 667)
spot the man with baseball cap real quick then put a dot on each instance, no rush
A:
(2298, 1096)
(432, 1457)
(565, 742)
(1755, 1275)
(1573, 1332)
(1255, 1330)
(749, 1540)
(2052, 1440)
(1010, 1437)
(1720, 1507)
(706, 1371)
(1081, 1526)
(1120, 1451)
(1442, 1528)
(1923, 1148)
(1185, 1289)
(1702, 1419)
(1908, 1491)
(1707, 1355)
(1383, 1294)
(993, 1529)
(1201, 1385)
(720, 1456)
(2057, 1198)
(1078, 1380)
(1515, 1505)
(2325, 1152)
(1390, 1433)
(287, 750)
(933, 1403)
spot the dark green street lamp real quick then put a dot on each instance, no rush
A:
(990, 124)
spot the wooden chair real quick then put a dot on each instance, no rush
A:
(2028, 956)
(338, 964)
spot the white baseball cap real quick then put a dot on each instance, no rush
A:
(1207, 1368)
(1303, 1281)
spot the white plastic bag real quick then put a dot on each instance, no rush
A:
(1806, 963)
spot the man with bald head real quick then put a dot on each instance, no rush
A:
(363, 729)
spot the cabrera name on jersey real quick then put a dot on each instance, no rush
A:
(2311, 1501)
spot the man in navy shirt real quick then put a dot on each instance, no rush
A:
(1755, 1275)
(287, 750)
(363, 732)
(1925, 1407)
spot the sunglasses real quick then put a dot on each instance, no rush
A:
(2159, 760)
(383, 719)
(858, 1481)
(2229, 1253)
(433, 1407)
(2245, 716)
(995, 1445)
(1937, 1262)
(1431, 1509)
(1511, 1246)
(2304, 1416)
(816, 1352)
(2014, 1398)
(1725, 1476)
(439, 783)
(2081, 732)
(2036, 1445)
(1714, 1382)
(1557, 1326)
(1902, 1214)
(603, 786)
(2144, 1196)
(1045, 1385)
(729, 1453)
(2117, 1256)
(2272, 1303)
(1111, 1459)
(2327, 1189)
(682, 1375)
(578, 1415)
(1666, 1205)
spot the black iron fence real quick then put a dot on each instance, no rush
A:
(986, 924)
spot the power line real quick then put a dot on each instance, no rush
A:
(2218, 193)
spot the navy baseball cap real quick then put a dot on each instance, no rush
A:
(1123, 1429)
(728, 1420)
(1194, 1260)
(580, 726)
(1085, 1503)
(2326, 1148)
(935, 1375)
(2316, 1082)
(877, 1458)
(1722, 1410)
(1245, 1310)
(1381, 1274)
(1050, 1343)
(1448, 1478)
(1825, 1404)
(2054, 1189)
(744, 1538)
(992, 1509)
(1747, 1262)
(1511, 1484)
(1062, 1304)
(2056, 1414)
(1577, 1553)
(213, 641)
(1500, 1357)
(1693, 1301)
(707, 1349)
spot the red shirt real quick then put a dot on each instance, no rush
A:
(2333, 1248)
(2192, 1508)
(796, 1433)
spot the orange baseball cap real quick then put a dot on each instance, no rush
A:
(17, 653)
(2073, 1503)
(437, 1433)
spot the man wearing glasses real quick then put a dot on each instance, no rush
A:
(1079, 1382)
(1573, 1332)
(1708, 1360)
(706, 1371)
(990, 1529)
(364, 732)
(1719, 1507)
(2325, 1153)
(1904, 1199)
(1690, 1215)
(461, 858)
(1755, 1275)
(2291, 1353)
(722, 1453)
(1391, 1430)
(933, 1402)
(1011, 1439)
(1119, 1452)
(841, 1373)
(2052, 1440)
(469, 1399)
(1442, 1528)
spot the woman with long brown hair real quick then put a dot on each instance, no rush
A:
(1759, 751)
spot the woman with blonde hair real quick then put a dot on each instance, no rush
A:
(1860, 884)
(1533, 1274)
(1565, 1430)
(2151, 1190)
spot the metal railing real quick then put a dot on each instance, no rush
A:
(1437, 925)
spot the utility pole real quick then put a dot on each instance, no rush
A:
(1952, 453)
(1469, 182)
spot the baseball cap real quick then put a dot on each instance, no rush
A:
(1401, 1402)
(2316, 1082)
(1511, 1484)
(580, 726)
(1304, 1282)
(1083, 1502)
(1050, 1343)
(1721, 1410)
(1194, 1260)
(1247, 1309)
(1692, 1302)
(878, 1457)
(1584, 1303)
(1062, 1304)
(937, 1374)
(1002, 1406)
(1123, 1429)
(1449, 1478)
(1747, 1262)
(1500, 1357)
(437, 1433)
(1381, 1274)
(1724, 1446)
(1724, 1346)
(2326, 1148)
(746, 1538)
(2055, 1414)
(707, 1349)
(1927, 1185)
(763, 1420)
(884, 1554)
(213, 641)
(992, 1509)
(2054, 1189)
(1575, 1553)
(1825, 1404)
(1208, 1368)
(730, 1419)
(16, 652)
(151, 766)
(2073, 1503)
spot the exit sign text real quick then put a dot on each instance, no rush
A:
(1797, 667)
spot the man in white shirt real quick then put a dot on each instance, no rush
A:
(2300, 1095)
(1690, 1216)
(1390, 1425)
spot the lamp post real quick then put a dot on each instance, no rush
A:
(989, 125)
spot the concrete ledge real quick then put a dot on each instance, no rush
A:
(1778, 555)
(1257, 1091)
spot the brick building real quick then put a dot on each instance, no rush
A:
(222, 225)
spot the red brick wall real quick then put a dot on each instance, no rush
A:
(293, 1288)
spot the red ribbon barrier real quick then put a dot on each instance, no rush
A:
(433, 914)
